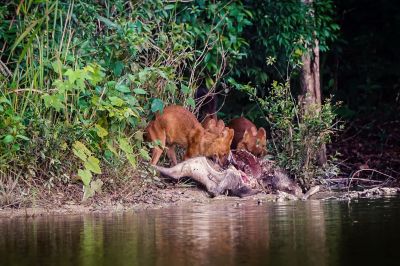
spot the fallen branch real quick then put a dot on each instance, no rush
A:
(368, 169)
(338, 180)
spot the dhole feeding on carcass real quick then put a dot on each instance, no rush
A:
(247, 136)
(177, 126)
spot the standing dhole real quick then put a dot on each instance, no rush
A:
(178, 126)
(247, 137)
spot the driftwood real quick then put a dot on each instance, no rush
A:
(246, 176)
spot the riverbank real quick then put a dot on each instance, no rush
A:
(152, 197)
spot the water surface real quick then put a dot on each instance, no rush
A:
(366, 232)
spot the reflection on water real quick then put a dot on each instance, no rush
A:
(291, 233)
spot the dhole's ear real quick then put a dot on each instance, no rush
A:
(229, 137)
(253, 131)
(211, 123)
(220, 125)
(231, 132)
(261, 134)
(246, 136)
(228, 132)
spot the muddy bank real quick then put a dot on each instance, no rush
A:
(150, 198)
(156, 198)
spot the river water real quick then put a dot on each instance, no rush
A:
(363, 232)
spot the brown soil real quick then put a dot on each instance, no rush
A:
(149, 198)
(369, 149)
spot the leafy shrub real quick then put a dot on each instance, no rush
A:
(296, 137)
(83, 78)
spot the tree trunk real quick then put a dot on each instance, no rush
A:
(310, 96)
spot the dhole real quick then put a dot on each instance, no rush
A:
(178, 126)
(247, 137)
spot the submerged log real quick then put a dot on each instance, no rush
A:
(216, 181)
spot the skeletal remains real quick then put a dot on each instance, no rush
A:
(246, 176)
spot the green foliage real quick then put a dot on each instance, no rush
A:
(91, 166)
(84, 77)
(284, 31)
(296, 136)
(84, 72)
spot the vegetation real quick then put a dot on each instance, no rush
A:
(79, 80)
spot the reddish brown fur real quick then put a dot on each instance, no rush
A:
(178, 126)
(214, 126)
(247, 137)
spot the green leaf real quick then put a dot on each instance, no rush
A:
(101, 131)
(93, 164)
(53, 101)
(122, 88)
(157, 105)
(108, 22)
(110, 146)
(8, 139)
(73, 75)
(168, 7)
(132, 101)
(85, 176)
(22, 137)
(143, 75)
(185, 89)
(171, 87)
(191, 102)
(118, 67)
(124, 145)
(132, 159)
(116, 101)
(139, 91)
(145, 154)
(80, 150)
(5, 100)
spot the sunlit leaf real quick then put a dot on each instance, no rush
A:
(85, 176)
(116, 101)
(124, 145)
(144, 154)
(8, 139)
(80, 150)
(132, 159)
(93, 164)
(101, 132)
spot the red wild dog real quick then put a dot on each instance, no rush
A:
(247, 137)
(178, 126)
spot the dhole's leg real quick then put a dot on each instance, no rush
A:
(156, 154)
(172, 155)
(156, 133)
